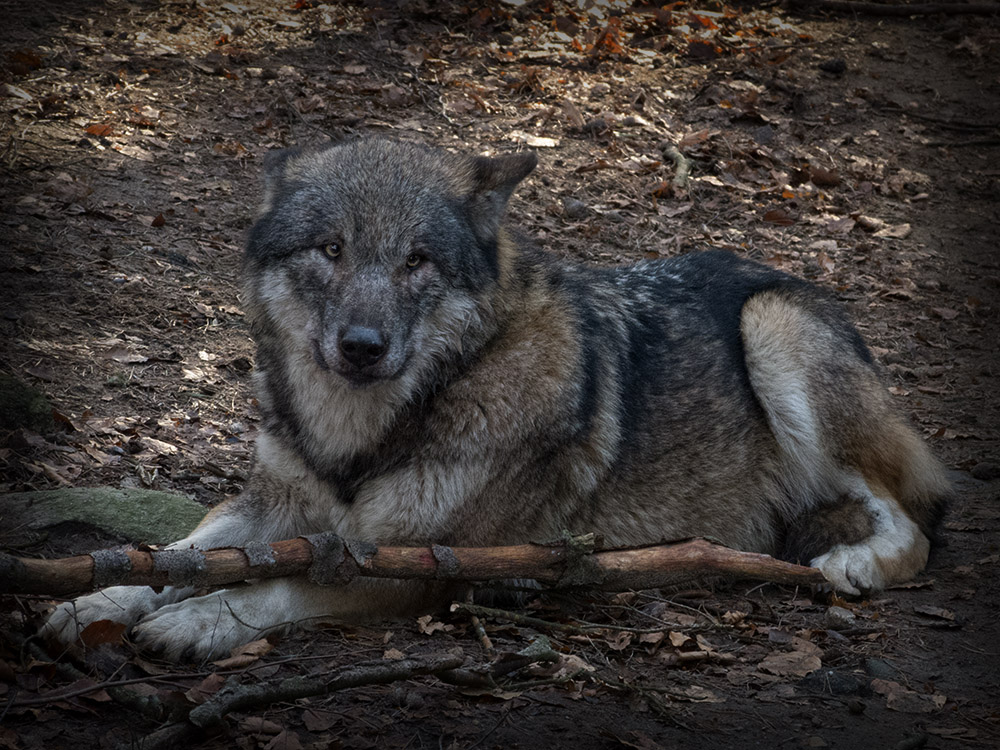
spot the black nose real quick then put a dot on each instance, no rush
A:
(362, 346)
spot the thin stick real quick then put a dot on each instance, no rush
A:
(904, 9)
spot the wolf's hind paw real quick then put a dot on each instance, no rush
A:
(851, 569)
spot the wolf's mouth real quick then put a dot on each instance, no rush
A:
(355, 377)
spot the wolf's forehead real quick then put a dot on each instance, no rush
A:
(384, 170)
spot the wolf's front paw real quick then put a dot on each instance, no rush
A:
(201, 628)
(124, 604)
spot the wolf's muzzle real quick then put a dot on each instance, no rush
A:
(361, 346)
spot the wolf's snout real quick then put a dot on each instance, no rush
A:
(362, 346)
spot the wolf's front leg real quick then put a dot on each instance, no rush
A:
(210, 626)
(232, 523)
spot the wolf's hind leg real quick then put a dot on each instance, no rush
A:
(895, 550)
(861, 491)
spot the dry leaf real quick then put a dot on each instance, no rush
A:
(259, 725)
(159, 447)
(841, 226)
(678, 639)
(652, 638)
(899, 698)
(939, 612)
(102, 631)
(429, 625)
(897, 231)
(870, 223)
(619, 641)
(821, 177)
(126, 357)
(206, 688)
(570, 664)
(696, 694)
(779, 216)
(284, 740)
(244, 655)
(825, 262)
(693, 139)
(414, 55)
(573, 115)
(791, 663)
(318, 721)
(945, 313)
(101, 130)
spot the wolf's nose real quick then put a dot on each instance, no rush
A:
(362, 346)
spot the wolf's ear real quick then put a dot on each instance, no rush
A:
(493, 181)
(276, 165)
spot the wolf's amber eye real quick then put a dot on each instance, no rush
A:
(413, 260)
(332, 250)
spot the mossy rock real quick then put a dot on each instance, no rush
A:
(136, 515)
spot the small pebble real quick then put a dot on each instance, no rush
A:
(595, 127)
(986, 471)
(599, 90)
(880, 669)
(573, 208)
(838, 618)
(836, 66)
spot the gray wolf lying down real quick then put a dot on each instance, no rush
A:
(427, 376)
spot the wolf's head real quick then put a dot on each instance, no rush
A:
(375, 257)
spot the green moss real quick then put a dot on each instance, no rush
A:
(23, 407)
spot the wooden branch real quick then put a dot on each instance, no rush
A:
(327, 559)
(236, 696)
(900, 9)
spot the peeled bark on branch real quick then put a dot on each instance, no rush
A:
(327, 559)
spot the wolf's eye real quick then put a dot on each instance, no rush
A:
(413, 260)
(332, 250)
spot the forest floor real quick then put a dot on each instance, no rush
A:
(854, 150)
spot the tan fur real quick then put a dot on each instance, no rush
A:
(846, 440)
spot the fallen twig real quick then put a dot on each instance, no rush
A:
(327, 559)
(901, 9)
(235, 696)
(580, 628)
(682, 165)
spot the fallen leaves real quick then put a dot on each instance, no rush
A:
(102, 631)
(790, 664)
(904, 700)
(245, 655)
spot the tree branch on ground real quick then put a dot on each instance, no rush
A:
(327, 559)
(900, 9)
(238, 697)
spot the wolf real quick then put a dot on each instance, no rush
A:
(427, 375)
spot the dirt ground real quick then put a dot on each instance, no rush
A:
(856, 150)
